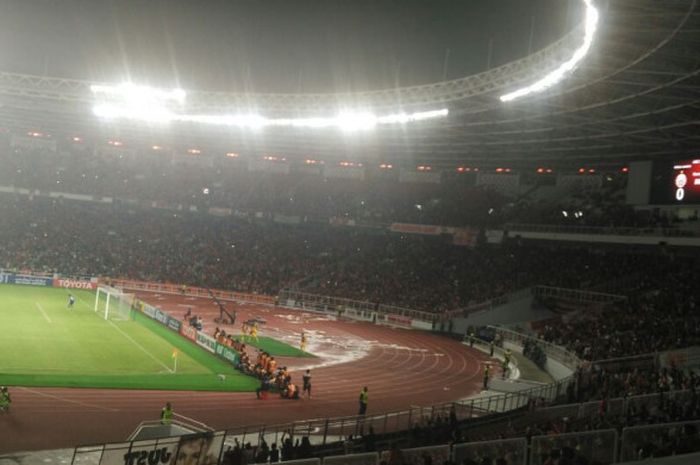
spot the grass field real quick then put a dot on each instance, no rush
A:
(275, 347)
(44, 343)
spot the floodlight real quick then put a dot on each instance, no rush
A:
(590, 27)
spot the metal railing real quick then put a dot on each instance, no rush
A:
(577, 295)
(338, 305)
(559, 353)
(599, 230)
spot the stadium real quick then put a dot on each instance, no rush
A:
(361, 233)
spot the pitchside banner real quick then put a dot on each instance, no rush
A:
(174, 324)
(74, 284)
(227, 353)
(207, 342)
(191, 449)
(29, 280)
(189, 332)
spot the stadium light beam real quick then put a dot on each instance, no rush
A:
(551, 79)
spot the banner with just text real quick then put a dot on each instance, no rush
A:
(29, 280)
(208, 342)
(74, 283)
(227, 353)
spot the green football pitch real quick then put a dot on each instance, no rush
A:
(43, 343)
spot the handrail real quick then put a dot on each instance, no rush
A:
(578, 295)
(333, 304)
(600, 230)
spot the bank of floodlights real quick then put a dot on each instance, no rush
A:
(590, 27)
(142, 103)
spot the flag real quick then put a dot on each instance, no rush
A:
(175, 352)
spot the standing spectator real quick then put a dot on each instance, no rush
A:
(363, 401)
(486, 376)
(166, 415)
(307, 383)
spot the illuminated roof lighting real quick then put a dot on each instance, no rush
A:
(133, 93)
(156, 147)
(115, 143)
(143, 103)
(232, 155)
(194, 151)
(76, 139)
(551, 79)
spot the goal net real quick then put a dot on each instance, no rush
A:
(113, 303)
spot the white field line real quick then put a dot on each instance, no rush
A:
(43, 312)
(170, 370)
(143, 349)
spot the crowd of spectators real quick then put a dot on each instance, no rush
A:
(172, 180)
(378, 198)
(661, 315)
(259, 256)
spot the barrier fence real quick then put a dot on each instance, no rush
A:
(604, 446)
(576, 295)
(598, 447)
(357, 309)
(189, 291)
(565, 357)
(599, 230)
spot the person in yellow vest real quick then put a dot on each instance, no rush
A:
(166, 415)
(5, 400)
(302, 345)
(364, 398)
(254, 332)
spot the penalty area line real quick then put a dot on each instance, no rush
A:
(43, 312)
(143, 349)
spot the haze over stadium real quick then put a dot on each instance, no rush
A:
(349, 232)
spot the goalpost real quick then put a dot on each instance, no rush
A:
(113, 303)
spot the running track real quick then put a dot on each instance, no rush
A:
(401, 368)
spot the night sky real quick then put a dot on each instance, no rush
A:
(272, 45)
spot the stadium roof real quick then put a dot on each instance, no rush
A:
(635, 96)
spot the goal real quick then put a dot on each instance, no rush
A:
(113, 303)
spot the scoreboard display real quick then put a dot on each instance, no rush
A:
(675, 183)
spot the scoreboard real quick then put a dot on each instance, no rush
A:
(675, 183)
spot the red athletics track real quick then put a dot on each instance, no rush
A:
(400, 367)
